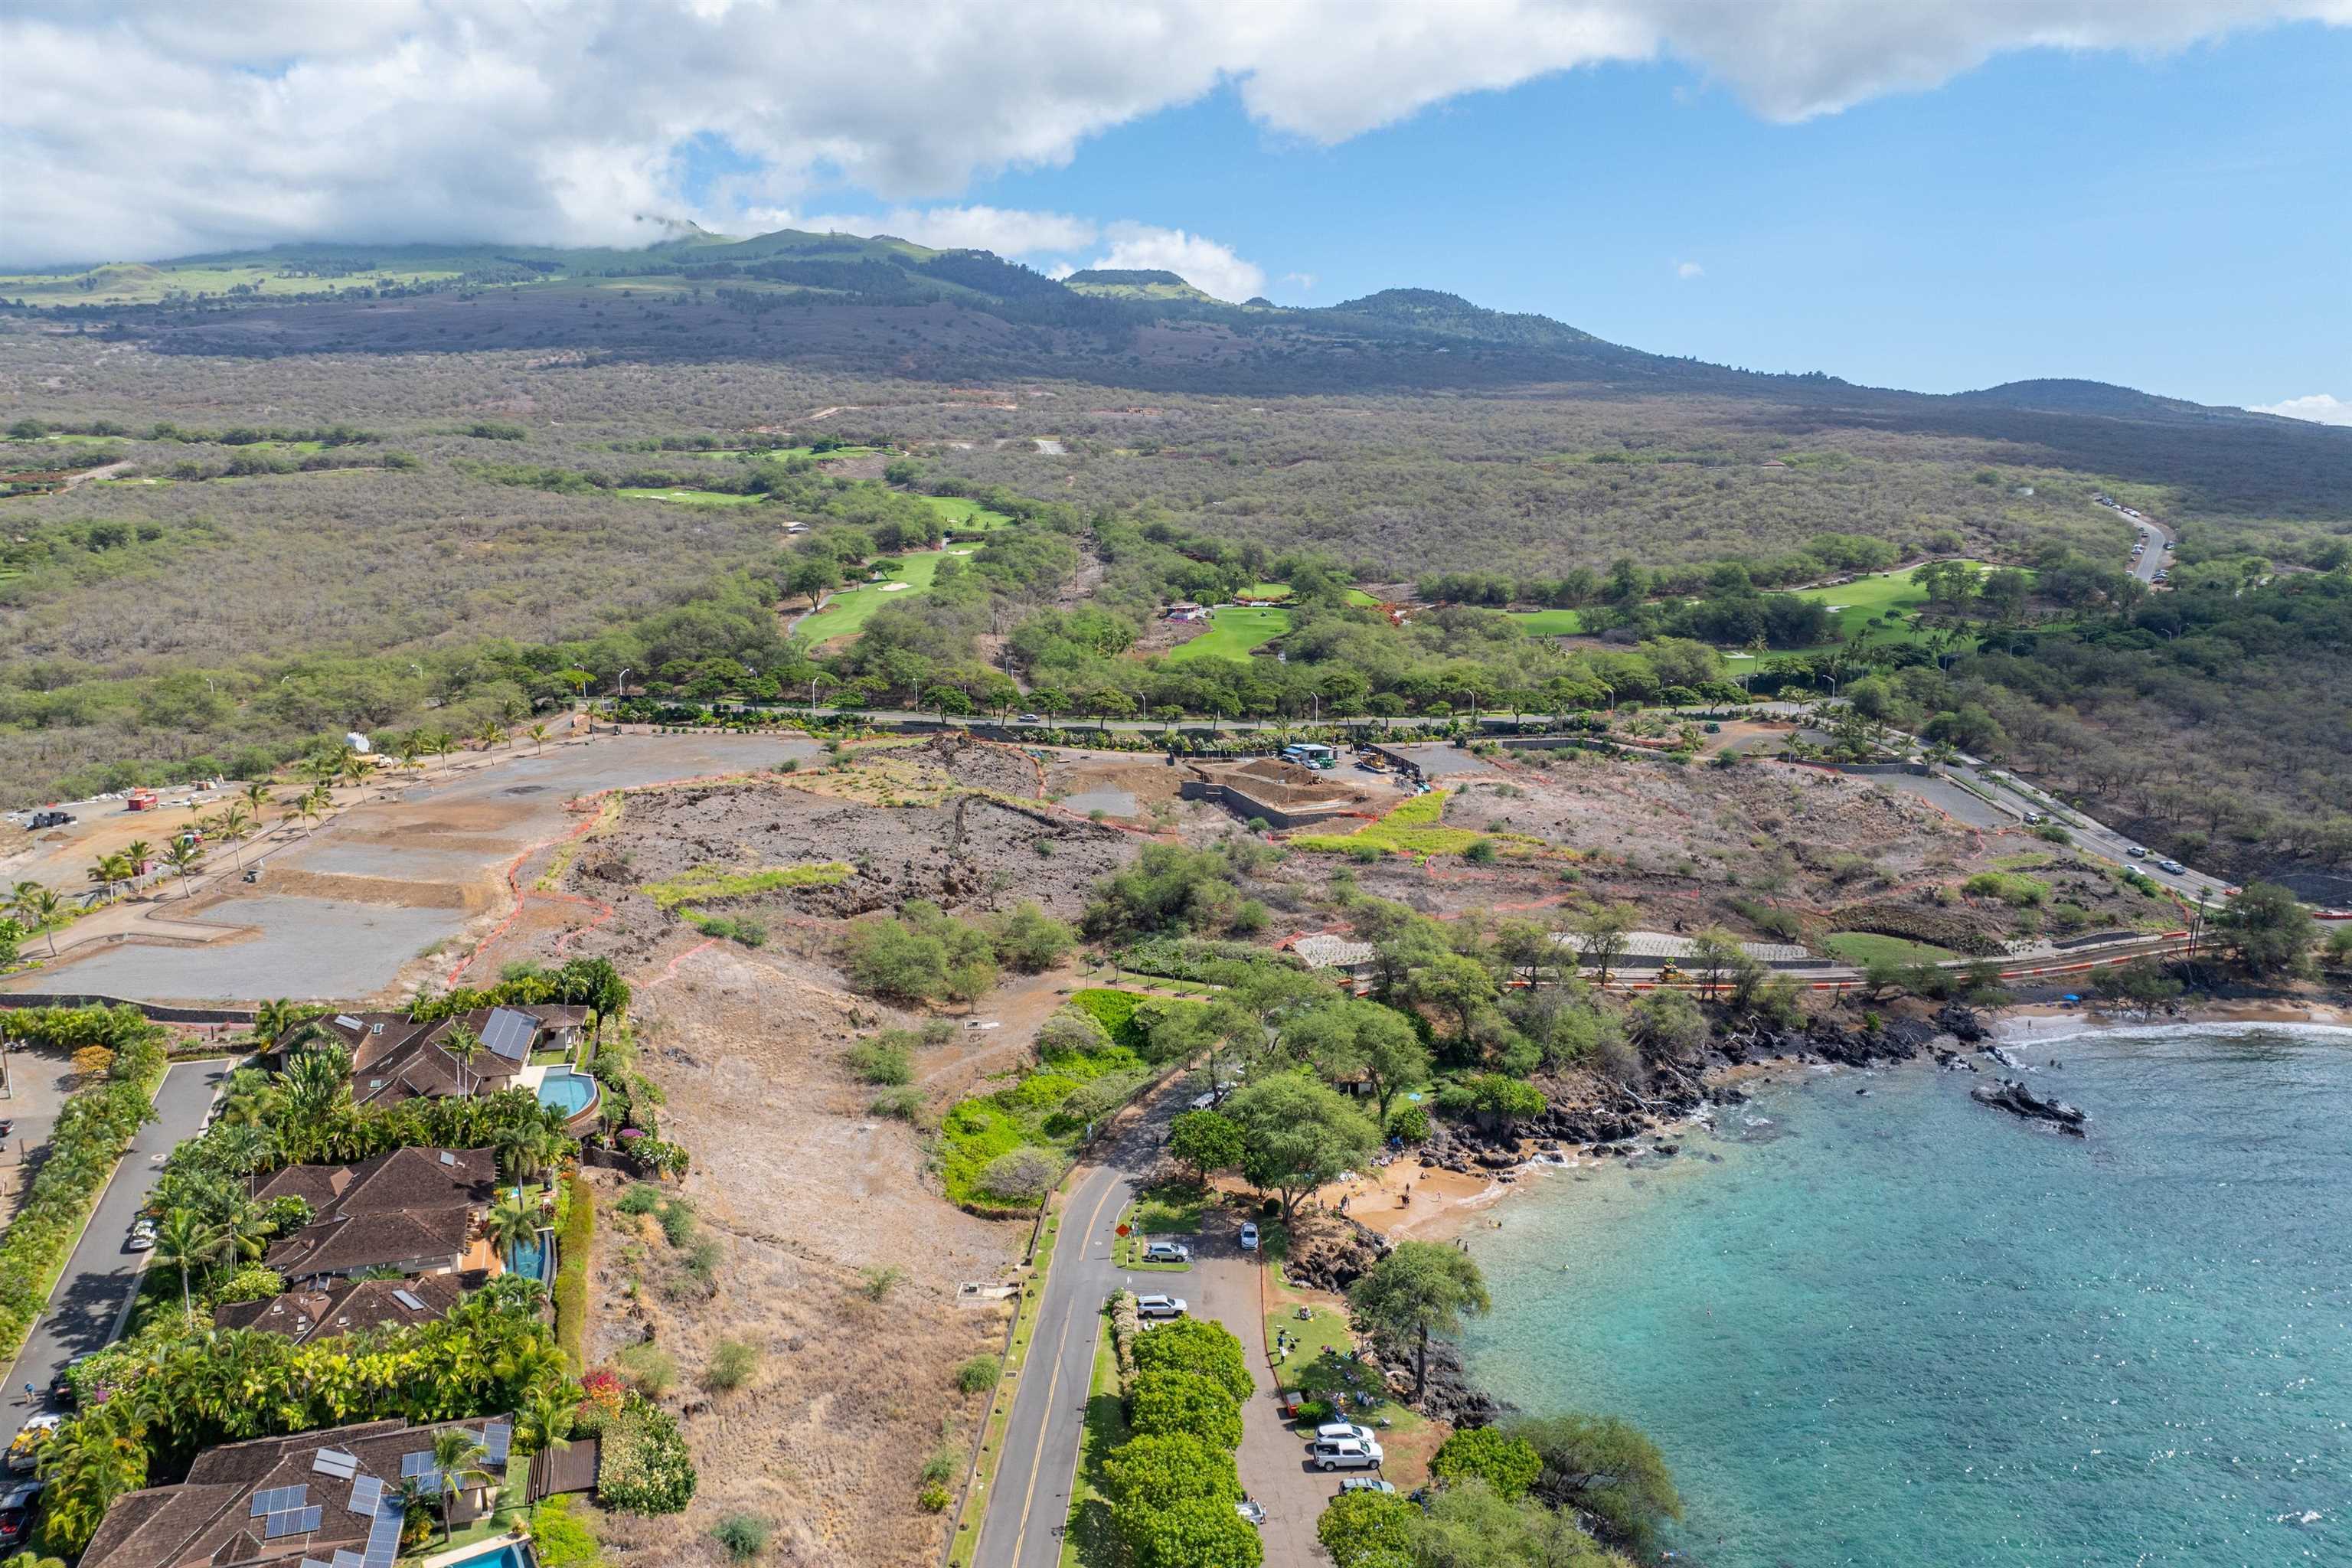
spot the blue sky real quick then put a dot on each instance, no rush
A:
(2182, 224)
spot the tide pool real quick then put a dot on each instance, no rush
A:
(1908, 1330)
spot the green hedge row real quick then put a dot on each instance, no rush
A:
(573, 1244)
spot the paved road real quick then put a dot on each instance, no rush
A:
(1025, 1517)
(2155, 540)
(88, 1303)
(1273, 1459)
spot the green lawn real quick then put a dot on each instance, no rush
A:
(1861, 602)
(1164, 1214)
(1309, 1371)
(1233, 632)
(964, 514)
(1548, 622)
(1863, 948)
(1282, 591)
(1089, 1541)
(847, 612)
(689, 498)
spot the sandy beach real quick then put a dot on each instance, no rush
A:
(2053, 1020)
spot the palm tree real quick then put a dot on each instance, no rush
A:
(107, 870)
(543, 1420)
(510, 1224)
(186, 856)
(41, 908)
(412, 1496)
(90, 1463)
(411, 746)
(355, 767)
(538, 739)
(457, 1457)
(523, 1150)
(255, 795)
(313, 1082)
(463, 1045)
(233, 827)
(489, 734)
(184, 1239)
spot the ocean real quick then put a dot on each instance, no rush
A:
(1906, 1331)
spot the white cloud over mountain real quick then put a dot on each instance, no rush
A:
(135, 128)
(2320, 408)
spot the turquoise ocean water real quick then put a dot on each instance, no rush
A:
(1906, 1331)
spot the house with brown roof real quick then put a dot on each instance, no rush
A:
(335, 1306)
(314, 1499)
(395, 1059)
(414, 1210)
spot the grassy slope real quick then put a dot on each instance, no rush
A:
(964, 512)
(1233, 632)
(848, 612)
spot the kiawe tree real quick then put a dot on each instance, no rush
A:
(1296, 1135)
(1419, 1289)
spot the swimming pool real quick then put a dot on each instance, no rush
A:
(569, 1092)
(506, 1554)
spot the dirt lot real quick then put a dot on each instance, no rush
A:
(1688, 845)
(803, 1194)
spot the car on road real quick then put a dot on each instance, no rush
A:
(2175, 867)
(1160, 1306)
(1252, 1510)
(141, 1237)
(1345, 1454)
(1204, 1100)
(16, 1505)
(1249, 1235)
(61, 1388)
(1367, 1484)
(1031, 718)
(2137, 852)
(1166, 1252)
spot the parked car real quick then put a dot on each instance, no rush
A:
(1166, 1252)
(2175, 867)
(1250, 1509)
(25, 1447)
(1346, 1454)
(17, 1512)
(1249, 1235)
(1160, 1306)
(1204, 1100)
(142, 1236)
(51, 819)
(1031, 718)
(1367, 1484)
(1340, 1431)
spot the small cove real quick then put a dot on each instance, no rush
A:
(1904, 1329)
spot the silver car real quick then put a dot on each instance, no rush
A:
(1166, 1252)
(1160, 1306)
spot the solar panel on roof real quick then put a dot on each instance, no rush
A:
(384, 1538)
(291, 1521)
(508, 1033)
(345, 1558)
(335, 1462)
(277, 1499)
(410, 1300)
(448, 1158)
(497, 1438)
(366, 1493)
(345, 1020)
(314, 1563)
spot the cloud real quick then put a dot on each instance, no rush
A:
(2320, 408)
(1303, 281)
(1689, 269)
(1200, 261)
(142, 127)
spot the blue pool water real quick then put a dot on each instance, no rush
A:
(506, 1555)
(568, 1091)
(1908, 1330)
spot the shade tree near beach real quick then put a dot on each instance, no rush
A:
(1419, 1289)
(2268, 931)
(1606, 1470)
(1297, 1134)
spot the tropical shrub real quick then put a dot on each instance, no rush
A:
(644, 1466)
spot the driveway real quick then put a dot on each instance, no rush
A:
(87, 1306)
(38, 1086)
